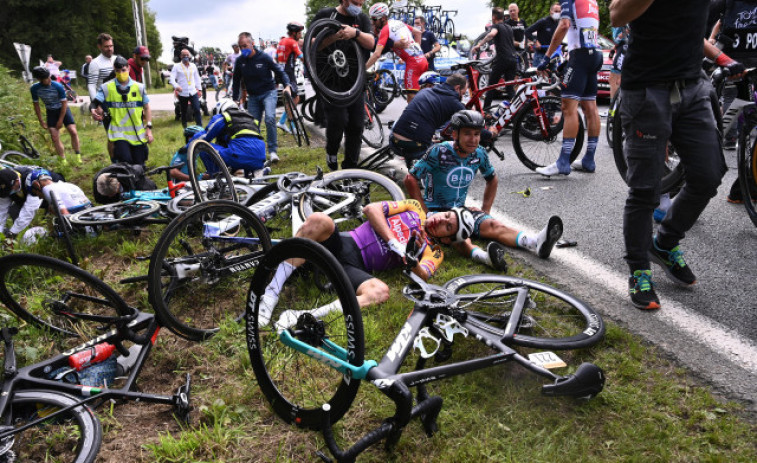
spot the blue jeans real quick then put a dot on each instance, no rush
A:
(256, 104)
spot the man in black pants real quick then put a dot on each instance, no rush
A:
(504, 62)
(347, 122)
(665, 99)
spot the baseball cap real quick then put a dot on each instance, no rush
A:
(142, 52)
(7, 177)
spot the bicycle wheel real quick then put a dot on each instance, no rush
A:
(123, 213)
(216, 167)
(373, 131)
(336, 70)
(186, 200)
(551, 319)
(200, 266)
(307, 108)
(16, 157)
(449, 29)
(295, 384)
(384, 87)
(532, 147)
(292, 114)
(436, 27)
(300, 125)
(49, 293)
(610, 122)
(366, 186)
(747, 165)
(72, 437)
(63, 229)
(27, 147)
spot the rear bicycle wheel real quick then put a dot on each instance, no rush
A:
(184, 201)
(322, 316)
(307, 108)
(365, 186)
(16, 157)
(217, 170)
(747, 165)
(610, 122)
(449, 28)
(201, 264)
(532, 146)
(551, 318)
(123, 213)
(373, 130)
(50, 293)
(384, 87)
(72, 437)
(63, 229)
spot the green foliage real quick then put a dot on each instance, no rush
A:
(533, 10)
(68, 30)
(16, 103)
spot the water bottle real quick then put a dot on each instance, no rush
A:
(501, 109)
(94, 354)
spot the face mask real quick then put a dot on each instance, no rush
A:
(185, 59)
(354, 10)
(122, 76)
(246, 52)
(555, 16)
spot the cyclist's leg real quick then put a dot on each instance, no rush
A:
(52, 121)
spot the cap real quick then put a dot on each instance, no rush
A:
(7, 177)
(142, 52)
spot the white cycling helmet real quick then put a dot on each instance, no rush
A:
(224, 105)
(430, 77)
(378, 10)
(465, 223)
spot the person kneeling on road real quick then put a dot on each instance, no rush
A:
(378, 244)
(447, 171)
(238, 139)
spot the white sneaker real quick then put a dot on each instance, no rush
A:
(579, 166)
(265, 309)
(274, 157)
(284, 128)
(261, 172)
(551, 170)
(548, 236)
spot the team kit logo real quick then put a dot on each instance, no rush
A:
(460, 177)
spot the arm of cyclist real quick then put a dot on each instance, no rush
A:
(38, 112)
(413, 187)
(490, 191)
(735, 68)
(381, 42)
(624, 11)
(26, 215)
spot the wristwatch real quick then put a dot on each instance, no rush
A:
(149, 125)
(357, 33)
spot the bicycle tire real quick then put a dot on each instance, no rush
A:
(63, 229)
(28, 147)
(123, 213)
(184, 201)
(368, 187)
(384, 87)
(747, 169)
(307, 108)
(195, 276)
(449, 29)
(436, 27)
(532, 148)
(291, 109)
(43, 291)
(16, 157)
(295, 384)
(610, 122)
(373, 130)
(222, 178)
(337, 71)
(73, 437)
(552, 320)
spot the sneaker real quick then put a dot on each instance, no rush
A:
(496, 253)
(551, 170)
(78, 158)
(332, 163)
(274, 157)
(284, 128)
(673, 263)
(659, 214)
(548, 236)
(578, 165)
(265, 309)
(261, 172)
(641, 289)
(64, 161)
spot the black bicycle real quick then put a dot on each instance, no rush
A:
(46, 408)
(26, 152)
(307, 352)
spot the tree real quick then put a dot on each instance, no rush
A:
(532, 10)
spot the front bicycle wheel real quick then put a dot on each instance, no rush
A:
(200, 267)
(550, 319)
(72, 437)
(343, 194)
(216, 170)
(373, 131)
(182, 202)
(449, 29)
(16, 157)
(63, 229)
(610, 122)
(384, 87)
(298, 131)
(747, 165)
(535, 147)
(123, 213)
(58, 296)
(318, 317)
(307, 108)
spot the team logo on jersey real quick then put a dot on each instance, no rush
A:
(587, 9)
(460, 177)
(399, 229)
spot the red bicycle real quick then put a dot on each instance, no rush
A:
(534, 114)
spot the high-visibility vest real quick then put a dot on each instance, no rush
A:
(125, 113)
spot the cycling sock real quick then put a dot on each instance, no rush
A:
(591, 148)
(480, 256)
(283, 118)
(563, 162)
(283, 272)
(525, 241)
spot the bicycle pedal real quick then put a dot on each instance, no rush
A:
(419, 343)
(449, 327)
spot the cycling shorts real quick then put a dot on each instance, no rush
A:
(580, 79)
(414, 67)
(54, 114)
(292, 81)
(343, 246)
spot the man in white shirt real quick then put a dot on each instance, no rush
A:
(185, 79)
(228, 64)
(99, 71)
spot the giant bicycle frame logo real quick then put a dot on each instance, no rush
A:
(460, 177)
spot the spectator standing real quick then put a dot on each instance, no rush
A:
(544, 30)
(53, 67)
(429, 44)
(185, 80)
(504, 61)
(100, 67)
(228, 64)
(257, 70)
(85, 67)
(288, 52)
(137, 62)
(210, 69)
(53, 96)
(518, 26)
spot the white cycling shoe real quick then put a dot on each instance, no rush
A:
(289, 317)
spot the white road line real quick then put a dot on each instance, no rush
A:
(737, 349)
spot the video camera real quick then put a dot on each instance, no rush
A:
(181, 43)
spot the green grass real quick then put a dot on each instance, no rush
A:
(650, 410)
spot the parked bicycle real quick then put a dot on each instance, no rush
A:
(26, 152)
(309, 359)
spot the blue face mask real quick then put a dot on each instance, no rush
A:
(354, 10)
(185, 59)
(246, 52)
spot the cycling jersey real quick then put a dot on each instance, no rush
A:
(415, 62)
(288, 52)
(404, 218)
(68, 195)
(584, 23)
(51, 95)
(446, 176)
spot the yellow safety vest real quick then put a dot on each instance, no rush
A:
(126, 113)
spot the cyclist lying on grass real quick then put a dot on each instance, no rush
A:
(447, 170)
(378, 244)
(70, 197)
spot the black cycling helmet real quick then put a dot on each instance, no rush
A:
(7, 177)
(467, 118)
(40, 72)
(120, 62)
(294, 26)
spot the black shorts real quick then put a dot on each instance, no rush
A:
(344, 248)
(580, 80)
(54, 114)
(292, 81)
